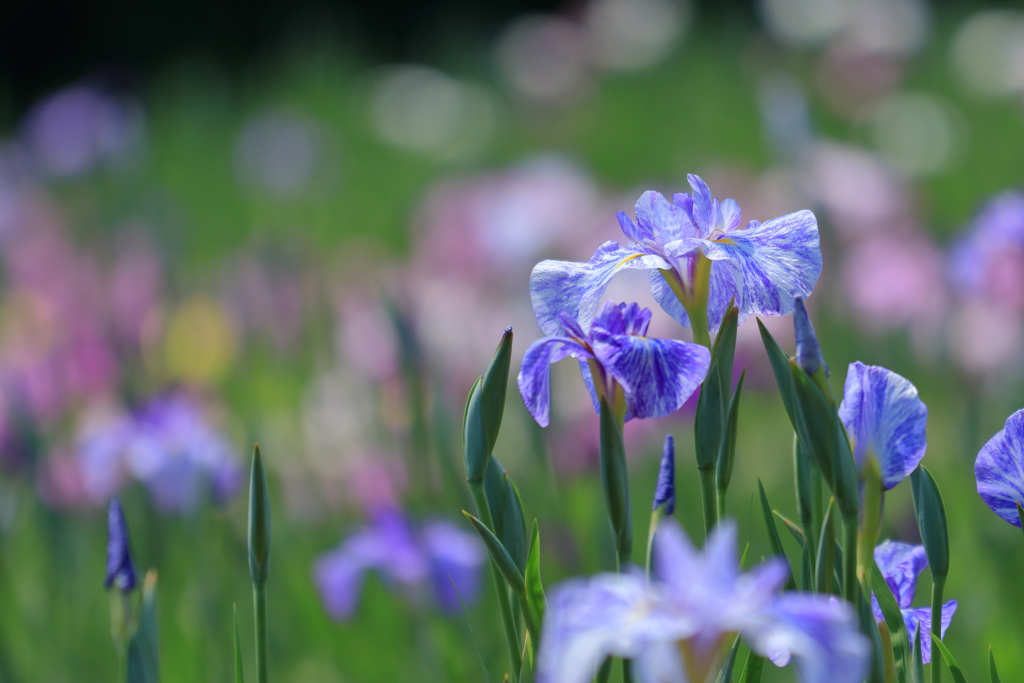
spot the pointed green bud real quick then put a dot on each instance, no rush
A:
(931, 520)
(494, 387)
(259, 521)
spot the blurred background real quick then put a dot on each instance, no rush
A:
(308, 225)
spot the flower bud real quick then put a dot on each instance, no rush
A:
(665, 492)
(120, 570)
(808, 353)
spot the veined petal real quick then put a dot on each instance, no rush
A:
(730, 213)
(999, 469)
(635, 233)
(821, 634)
(901, 564)
(535, 374)
(778, 260)
(661, 220)
(923, 616)
(724, 284)
(883, 414)
(657, 375)
(667, 299)
(588, 620)
(576, 288)
(703, 205)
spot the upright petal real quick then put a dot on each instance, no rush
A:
(923, 616)
(901, 564)
(576, 288)
(662, 221)
(821, 634)
(703, 205)
(730, 213)
(657, 375)
(589, 619)
(535, 374)
(778, 260)
(999, 469)
(634, 232)
(882, 413)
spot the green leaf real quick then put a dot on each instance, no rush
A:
(709, 419)
(475, 452)
(144, 647)
(725, 674)
(727, 455)
(494, 387)
(918, 657)
(992, 673)
(615, 481)
(773, 535)
(947, 656)
(780, 368)
(752, 669)
(804, 487)
(508, 569)
(898, 637)
(825, 564)
(931, 520)
(876, 671)
(807, 569)
(259, 521)
(513, 527)
(535, 600)
(794, 529)
(239, 671)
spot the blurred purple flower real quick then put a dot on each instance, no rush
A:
(410, 560)
(900, 565)
(674, 625)
(120, 570)
(988, 260)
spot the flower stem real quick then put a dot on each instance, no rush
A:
(938, 585)
(504, 604)
(709, 494)
(259, 601)
(850, 559)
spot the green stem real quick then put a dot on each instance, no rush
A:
(259, 601)
(938, 585)
(504, 604)
(709, 494)
(817, 507)
(720, 497)
(850, 582)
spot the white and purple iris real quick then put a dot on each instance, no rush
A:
(900, 565)
(999, 469)
(674, 625)
(885, 420)
(435, 559)
(699, 257)
(656, 375)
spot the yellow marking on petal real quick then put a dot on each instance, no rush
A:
(628, 259)
(725, 240)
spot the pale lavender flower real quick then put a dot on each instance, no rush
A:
(438, 557)
(674, 625)
(900, 565)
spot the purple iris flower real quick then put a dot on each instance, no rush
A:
(884, 419)
(413, 561)
(900, 564)
(120, 570)
(656, 375)
(694, 248)
(665, 491)
(674, 625)
(999, 469)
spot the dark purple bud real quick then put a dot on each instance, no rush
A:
(808, 353)
(665, 493)
(120, 571)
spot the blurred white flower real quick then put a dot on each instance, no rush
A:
(426, 111)
(895, 27)
(988, 52)
(281, 153)
(632, 34)
(805, 22)
(544, 59)
(916, 133)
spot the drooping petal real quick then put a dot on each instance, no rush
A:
(535, 374)
(588, 382)
(883, 414)
(778, 260)
(819, 633)
(901, 564)
(456, 558)
(999, 469)
(923, 616)
(576, 288)
(657, 375)
(661, 220)
(589, 619)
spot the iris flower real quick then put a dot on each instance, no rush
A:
(700, 259)
(641, 376)
(120, 569)
(885, 420)
(900, 564)
(435, 559)
(674, 625)
(999, 469)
